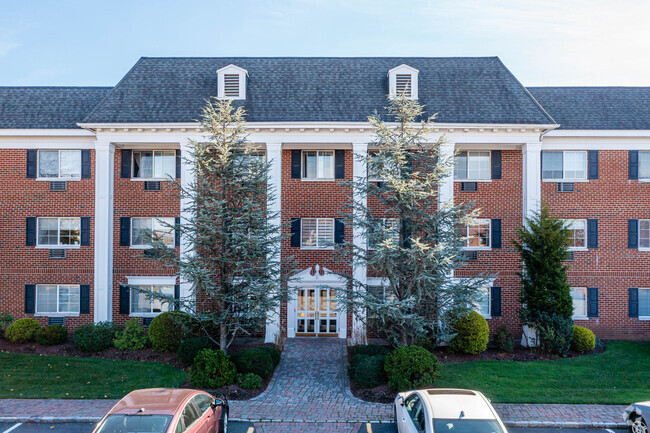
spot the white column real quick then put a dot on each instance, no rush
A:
(187, 180)
(532, 179)
(358, 237)
(446, 189)
(274, 156)
(103, 245)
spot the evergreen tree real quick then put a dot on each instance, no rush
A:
(417, 247)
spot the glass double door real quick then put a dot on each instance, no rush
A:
(316, 313)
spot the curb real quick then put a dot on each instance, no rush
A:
(50, 419)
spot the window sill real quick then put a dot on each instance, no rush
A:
(58, 247)
(152, 179)
(56, 315)
(58, 179)
(147, 247)
(643, 249)
(486, 317)
(145, 315)
(478, 249)
(317, 248)
(325, 179)
(644, 318)
(644, 180)
(566, 180)
(580, 317)
(578, 249)
(473, 180)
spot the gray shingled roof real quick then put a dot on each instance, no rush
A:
(596, 107)
(461, 90)
(47, 107)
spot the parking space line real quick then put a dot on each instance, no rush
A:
(12, 428)
(251, 430)
(368, 427)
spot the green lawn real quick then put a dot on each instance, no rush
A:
(621, 375)
(39, 376)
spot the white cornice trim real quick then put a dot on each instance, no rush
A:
(599, 133)
(46, 132)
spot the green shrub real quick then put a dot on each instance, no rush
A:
(354, 362)
(190, 347)
(94, 337)
(555, 333)
(411, 367)
(212, 369)
(249, 381)
(369, 350)
(255, 361)
(22, 330)
(133, 337)
(166, 331)
(273, 352)
(52, 335)
(369, 372)
(472, 333)
(5, 320)
(503, 339)
(583, 339)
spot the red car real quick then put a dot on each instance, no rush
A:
(164, 410)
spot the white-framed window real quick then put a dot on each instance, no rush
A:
(385, 229)
(644, 234)
(473, 165)
(577, 234)
(59, 164)
(478, 235)
(145, 229)
(64, 232)
(57, 299)
(144, 302)
(316, 232)
(579, 297)
(564, 165)
(644, 304)
(318, 164)
(154, 164)
(484, 307)
(644, 165)
(374, 174)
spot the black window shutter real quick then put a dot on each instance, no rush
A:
(30, 298)
(84, 299)
(496, 233)
(30, 231)
(592, 301)
(124, 299)
(125, 231)
(178, 163)
(496, 164)
(633, 167)
(295, 232)
(339, 164)
(593, 164)
(32, 155)
(592, 233)
(408, 166)
(85, 164)
(633, 234)
(633, 302)
(339, 230)
(406, 234)
(295, 164)
(495, 302)
(125, 171)
(177, 233)
(177, 296)
(85, 231)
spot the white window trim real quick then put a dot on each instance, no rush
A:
(58, 230)
(228, 70)
(479, 220)
(317, 230)
(146, 247)
(643, 179)
(643, 317)
(638, 228)
(489, 284)
(566, 179)
(149, 281)
(59, 178)
(489, 296)
(403, 69)
(149, 179)
(57, 314)
(586, 316)
(383, 221)
(316, 179)
(585, 248)
(470, 179)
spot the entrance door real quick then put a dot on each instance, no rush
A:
(316, 313)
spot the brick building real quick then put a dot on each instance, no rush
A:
(84, 174)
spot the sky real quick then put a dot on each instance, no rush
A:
(543, 42)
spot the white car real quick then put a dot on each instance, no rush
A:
(445, 411)
(637, 416)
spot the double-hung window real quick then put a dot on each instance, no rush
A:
(644, 303)
(644, 164)
(318, 164)
(317, 232)
(59, 164)
(483, 307)
(144, 300)
(471, 165)
(579, 297)
(59, 232)
(477, 236)
(577, 234)
(143, 230)
(385, 229)
(567, 165)
(154, 164)
(644, 234)
(59, 299)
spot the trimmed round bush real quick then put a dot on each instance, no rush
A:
(52, 335)
(503, 339)
(411, 367)
(369, 350)
(249, 381)
(472, 333)
(166, 331)
(95, 337)
(22, 330)
(370, 373)
(255, 361)
(212, 369)
(133, 337)
(190, 347)
(583, 339)
(273, 352)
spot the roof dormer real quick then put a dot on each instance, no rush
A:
(231, 81)
(403, 79)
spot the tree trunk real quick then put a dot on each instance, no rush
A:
(223, 338)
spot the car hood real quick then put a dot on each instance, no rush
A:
(641, 408)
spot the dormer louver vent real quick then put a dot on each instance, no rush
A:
(403, 84)
(231, 85)
(231, 82)
(403, 81)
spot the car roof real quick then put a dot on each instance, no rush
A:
(161, 401)
(449, 403)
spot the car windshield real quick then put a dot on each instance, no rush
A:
(135, 424)
(466, 426)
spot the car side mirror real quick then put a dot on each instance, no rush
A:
(400, 400)
(217, 403)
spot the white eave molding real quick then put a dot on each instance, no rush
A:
(231, 69)
(405, 70)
